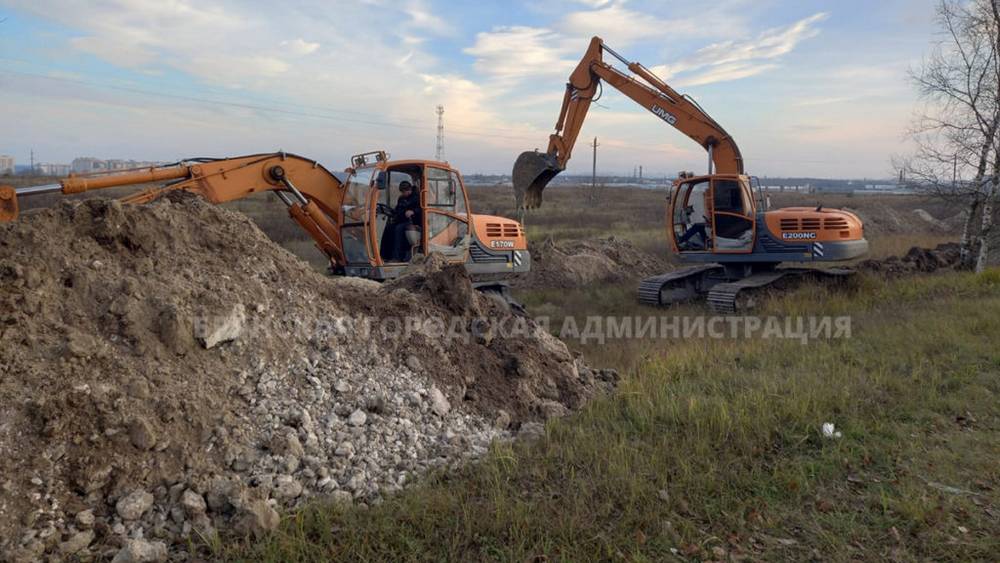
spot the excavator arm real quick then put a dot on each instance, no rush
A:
(313, 195)
(533, 170)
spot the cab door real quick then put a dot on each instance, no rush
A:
(690, 205)
(354, 230)
(446, 214)
(732, 205)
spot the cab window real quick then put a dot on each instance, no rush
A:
(729, 197)
(441, 191)
(459, 195)
(357, 187)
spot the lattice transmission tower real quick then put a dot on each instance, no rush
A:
(439, 153)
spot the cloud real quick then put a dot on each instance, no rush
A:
(732, 60)
(826, 100)
(300, 47)
(510, 53)
(422, 17)
(619, 25)
(726, 73)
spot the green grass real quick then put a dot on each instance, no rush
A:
(712, 449)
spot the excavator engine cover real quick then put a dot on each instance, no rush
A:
(8, 204)
(532, 172)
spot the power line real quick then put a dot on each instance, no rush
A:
(413, 125)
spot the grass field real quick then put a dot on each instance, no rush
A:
(712, 450)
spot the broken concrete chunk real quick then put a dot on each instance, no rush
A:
(141, 551)
(439, 404)
(214, 331)
(134, 505)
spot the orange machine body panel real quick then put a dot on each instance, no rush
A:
(499, 233)
(808, 223)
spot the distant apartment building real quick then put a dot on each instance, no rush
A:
(48, 169)
(85, 164)
(6, 164)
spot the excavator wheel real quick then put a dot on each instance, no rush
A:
(8, 204)
(532, 172)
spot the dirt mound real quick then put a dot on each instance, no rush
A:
(169, 372)
(882, 219)
(943, 256)
(577, 263)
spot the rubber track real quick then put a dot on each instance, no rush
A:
(649, 288)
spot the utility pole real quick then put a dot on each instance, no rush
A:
(593, 174)
(439, 153)
(640, 173)
(31, 171)
(954, 171)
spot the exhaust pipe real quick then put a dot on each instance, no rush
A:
(532, 172)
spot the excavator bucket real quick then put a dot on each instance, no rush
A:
(8, 204)
(532, 172)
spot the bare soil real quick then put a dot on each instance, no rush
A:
(575, 263)
(105, 386)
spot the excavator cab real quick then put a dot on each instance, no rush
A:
(714, 214)
(371, 229)
(442, 225)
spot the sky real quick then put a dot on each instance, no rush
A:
(806, 88)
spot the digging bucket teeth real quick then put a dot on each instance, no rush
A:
(532, 172)
(8, 204)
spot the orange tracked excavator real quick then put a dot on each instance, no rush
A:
(349, 216)
(716, 220)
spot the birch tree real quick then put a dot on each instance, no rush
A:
(957, 154)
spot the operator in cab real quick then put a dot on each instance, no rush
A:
(695, 229)
(405, 217)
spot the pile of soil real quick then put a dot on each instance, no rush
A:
(917, 259)
(577, 263)
(882, 219)
(170, 372)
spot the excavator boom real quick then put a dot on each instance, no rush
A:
(313, 195)
(534, 170)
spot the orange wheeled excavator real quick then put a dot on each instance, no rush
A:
(716, 220)
(348, 215)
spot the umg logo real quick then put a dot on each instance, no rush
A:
(663, 114)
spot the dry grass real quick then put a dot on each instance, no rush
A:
(887, 245)
(714, 451)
